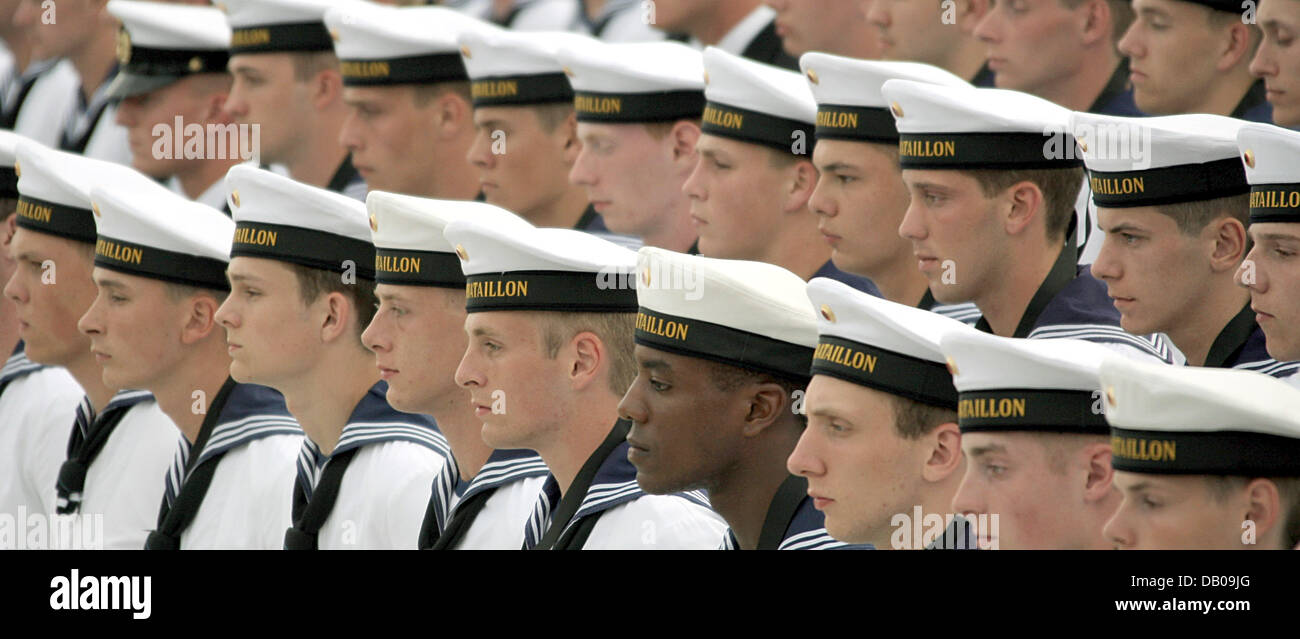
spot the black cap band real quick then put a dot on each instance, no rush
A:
(418, 268)
(520, 90)
(174, 62)
(862, 124)
(615, 108)
(158, 264)
(563, 291)
(781, 134)
(1241, 453)
(1168, 185)
(272, 38)
(8, 181)
(306, 247)
(723, 344)
(1000, 151)
(71, 222)
(417, 69)
(1032, 410)
(1275, 203)
(894, 373)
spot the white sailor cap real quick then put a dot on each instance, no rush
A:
(508, 68)
(1200, 421)
(750, 315)
(635, 82)
(1038, 385)
(945, 127)
(269, 26)
(410, 249)
(1272, 158)
(161, 43)
(542, 269)
(758, 103)
(161, 235)
(1162, 160)
(277, 218)
(380, 45)
(8, 155)
(879, 344)
(847, 90)
(54, 189)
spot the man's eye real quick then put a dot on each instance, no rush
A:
(659, 387)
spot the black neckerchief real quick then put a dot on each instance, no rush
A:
(1255, 96)
(310, 514)
(927, 300)
(1117, 85)
(1063, 272)
(588, 216)
(343, 176)
(577, 492)
(82, 451)
(461, 520)
(785, 503)
(174, 519)
(1227, 346)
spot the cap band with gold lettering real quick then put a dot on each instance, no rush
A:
(1031, 409)
(759, 128)
(521, 90)
(1222, 452)
(418, 69)
(856, 123)
(665, 106)
(917, 379)
(716, 342)
(1169, 185)
(1269, 155)
(283, 37)
(303, 246)
(564, 291)
(418, 268)
(71, 222)
(155, 263)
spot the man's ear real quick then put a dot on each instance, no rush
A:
(1023, 203)
(327, 88)
(1099, 482)
(1264, 507)
(1229, 239)
(969, 13)
(587, 359)
(337, 318)
(767, 404)
(1098, 22)
(567, 132)
(683, 137)
(452, 114)
(945, 456)
(200, 320)
(802, 181)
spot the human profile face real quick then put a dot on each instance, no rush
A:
(418, 338)
(1272, 273)
(50, 288)
(393, 139)
(1174, 512)
(135, 330)
(860, 200)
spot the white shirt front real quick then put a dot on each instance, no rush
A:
(124, 484)
(740, 36)
(500, 524)
(658, 522)
(37, 413)
(48, 104)
(382, 498)
(249, 503)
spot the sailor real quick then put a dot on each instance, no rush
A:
(860, 197)
(418, 338)
(408, 117)
(1036, 441)
(174, 75)
(837, 27)
(740, 27)
(991, 212)
(723, 353)
(1062, 51)
(933, 33)
(287, 83)
(36, 401)
(302, 291)
(751, 186)
(119, 442)
(1175, 218)
(638, 112)
(1193, 56)
(40, 91)
(1279, 70)
(882, 444)
(1205, 458)
(550, 323)
(160, 268)
(525, 138)
(1269, 272)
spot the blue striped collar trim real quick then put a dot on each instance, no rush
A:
(615, 484)
(18, 365)
(1154, 345)
(250, 412)
(504, 467)
(128, 398)
(373, 421)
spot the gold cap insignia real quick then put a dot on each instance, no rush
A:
(645, 276)
(196, 64)
(952, 366)
(95, 207)
(465, 52)
(18, 170)
(897, 109)
(334, 34)
(234, 197)
(828, 313)
(374, 224)
(460, 252)
(1083, 146)
(123, 49)
(1110, 395)
(1249, 157)
(812, 76)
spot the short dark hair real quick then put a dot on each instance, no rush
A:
(307, 64)
(178, 292)
(314, 282)
(616, 330)
(425, 93)
(1288, 492)
(727, 378)
(913, 420)
(1060, 189)
(660, 130)
(1193, 217)
(1121, 12)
